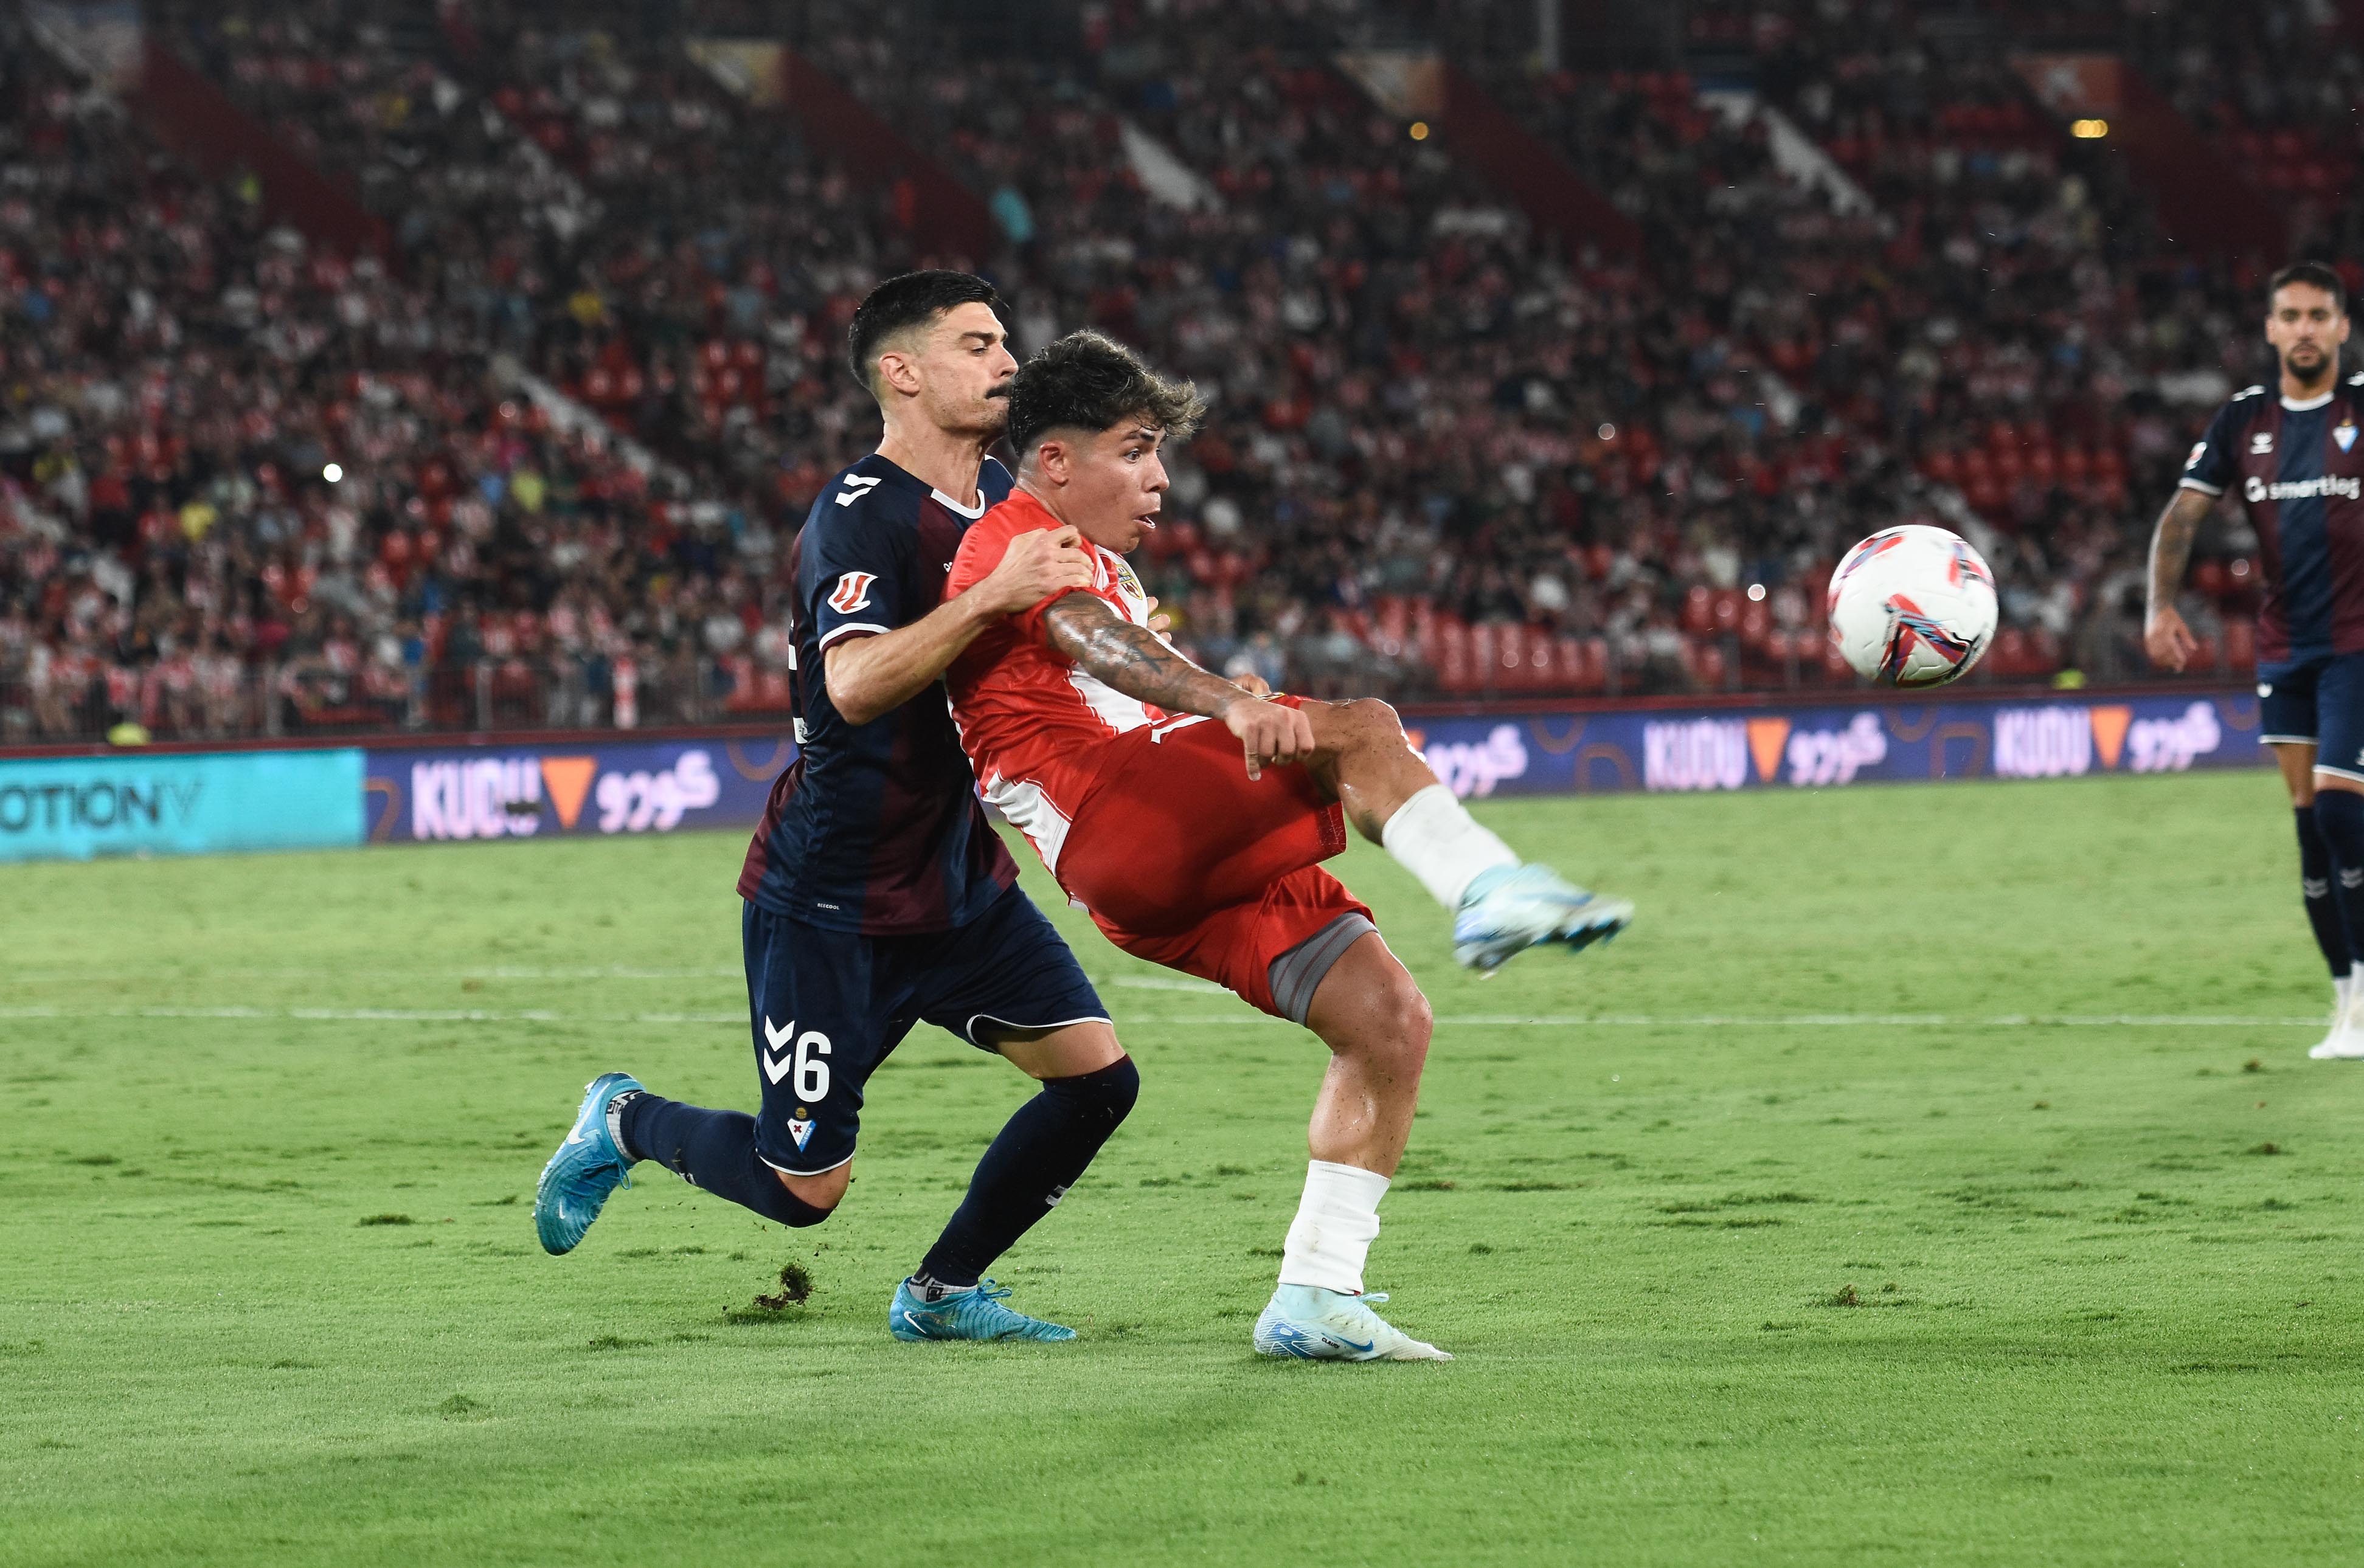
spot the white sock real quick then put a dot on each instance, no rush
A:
(1336, 1222)
(1433, 837)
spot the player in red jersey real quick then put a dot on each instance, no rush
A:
(1188, 816)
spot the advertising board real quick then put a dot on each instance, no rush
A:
(135, 803)
(596, 788)
(1837, 744)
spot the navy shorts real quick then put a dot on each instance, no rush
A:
(2319, 699)
(827, 1007)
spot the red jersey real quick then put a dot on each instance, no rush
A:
(1031, 722)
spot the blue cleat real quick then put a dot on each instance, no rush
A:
(974, 1314)
(587, 1168)
(1508, 909)
(1305, 1322)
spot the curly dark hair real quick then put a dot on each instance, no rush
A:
(914, 299)
(1087, 382)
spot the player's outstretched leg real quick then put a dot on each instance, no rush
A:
(1501, 905)
(620, 1124)
(586, 1167)
(1089, 1086)
(1377, 1025)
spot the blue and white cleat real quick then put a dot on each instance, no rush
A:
(1308, 1323)
(1508, 909)
(973, 1314)
(587, 1168)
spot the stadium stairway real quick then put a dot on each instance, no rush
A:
(1523, 167)
(941, 214)
(2201, 197)
(190, 116)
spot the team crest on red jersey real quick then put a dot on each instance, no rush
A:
(852, 593)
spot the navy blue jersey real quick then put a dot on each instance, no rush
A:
(2300, 470)
(875, 827)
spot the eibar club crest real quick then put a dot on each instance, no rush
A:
(852, 593)
(800, 1128)
(2344, 433)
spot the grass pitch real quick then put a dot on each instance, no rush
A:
(1850, 1226)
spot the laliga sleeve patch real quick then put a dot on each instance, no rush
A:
(852, 593)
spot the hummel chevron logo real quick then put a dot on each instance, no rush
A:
(855, 489)
(777, 1057)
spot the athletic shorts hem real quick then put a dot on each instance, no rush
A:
(783, 1169)
(2340, 772)
(969, 1029)
(1295, 976)
(2285, 739)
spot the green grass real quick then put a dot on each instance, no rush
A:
(1910, 1292)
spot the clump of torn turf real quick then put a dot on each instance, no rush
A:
(384, 1219)
(796, 1289)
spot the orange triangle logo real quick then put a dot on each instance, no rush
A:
(1765, 738)
(569, 779)
(2109, 731)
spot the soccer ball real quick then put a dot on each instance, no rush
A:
(1912, 607)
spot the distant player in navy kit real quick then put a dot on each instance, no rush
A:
(2295, 462)
(877, 895)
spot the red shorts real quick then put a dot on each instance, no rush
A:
(1183, 860)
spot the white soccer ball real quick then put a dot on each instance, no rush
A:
(1912, 607)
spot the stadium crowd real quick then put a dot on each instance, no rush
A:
(540, 463)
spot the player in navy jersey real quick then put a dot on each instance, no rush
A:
(2292, 458)
(876, 894)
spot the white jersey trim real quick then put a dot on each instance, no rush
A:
(824, 1171)
(969, 1029)
(1025, 806)
(836, 632)
(1120, 713)
(2204, 488)
(971, 513)
(2310, 404)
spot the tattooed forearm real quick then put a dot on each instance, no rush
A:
(2170, 544)
(1130, 659)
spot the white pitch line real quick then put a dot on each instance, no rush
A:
(375, 1015)
(1471, 1020)
(489, 972)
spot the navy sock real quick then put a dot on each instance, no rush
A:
(714, 1149)
(2314, 879)
(2339, 819)
(1041, 1152)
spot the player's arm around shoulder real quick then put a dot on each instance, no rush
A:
(1136, 660)
(871, 676)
